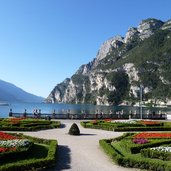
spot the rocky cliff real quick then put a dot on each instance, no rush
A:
(122, 64)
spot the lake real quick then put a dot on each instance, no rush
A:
(73, 108)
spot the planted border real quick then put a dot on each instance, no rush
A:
(123, 127)
(123, 158)
(23, 124)
(34, 164)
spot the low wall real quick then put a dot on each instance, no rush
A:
(86, 116)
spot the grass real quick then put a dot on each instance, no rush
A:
(37, 151)
(26, 124)
(141, 125)
(42, 154)
(120, 150)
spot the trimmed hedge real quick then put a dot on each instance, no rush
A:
(29, 125)
(155, 154)
(34, 164)
(132, 160)
(15, 154)
(123, 127)
(74, 130)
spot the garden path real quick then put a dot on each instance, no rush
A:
(80, 153)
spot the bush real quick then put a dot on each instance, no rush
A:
(74, 130)
(44, 157)
(125, 153)
(156, 154)
(28, 125)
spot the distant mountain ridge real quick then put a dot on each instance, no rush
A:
(122, 64)
(11, 93)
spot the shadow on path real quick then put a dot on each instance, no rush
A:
(63, 159)
(82, 134)
(62, 125)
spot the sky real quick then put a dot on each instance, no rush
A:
(42, 42)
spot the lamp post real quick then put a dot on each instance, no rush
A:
(141, 91)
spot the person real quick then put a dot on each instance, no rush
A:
(130, 114)
(101, 114)
(39, 113)
(25, 113)
(35, 113)
(53, 114)
(153, 114)
(110, 113)
(148, 113)
(97, 112)
(84, 114)
(122, 113)
(10, 113)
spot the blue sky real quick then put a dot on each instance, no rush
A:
(42, 42)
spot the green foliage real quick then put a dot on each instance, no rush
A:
(155, 154)
(28, 125)
(41, 155)
(74, 130)
(120, 81)
(79, 79)
(117, 149)
(124, 127)
(151, 57)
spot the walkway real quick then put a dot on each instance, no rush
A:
(80, 153)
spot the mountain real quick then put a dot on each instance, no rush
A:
(122, 64)
(11, 93)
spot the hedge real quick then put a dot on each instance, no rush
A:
(34, 164)
(155, 154)
(123, 127)
(133, 160)
(30, 127)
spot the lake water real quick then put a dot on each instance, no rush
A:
(74, 108)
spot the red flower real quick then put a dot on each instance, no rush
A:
(152, 135)
(107, 120)
(5, 136)
(3, 149)
(15, 120)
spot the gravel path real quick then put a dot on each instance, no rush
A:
(80, 153)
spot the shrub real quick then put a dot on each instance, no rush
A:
(44, 157)
(152, 153)
(74, 130)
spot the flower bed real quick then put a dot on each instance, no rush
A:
(10, 143)
(162, 148)
(4, 149)
(161, 152)
(152, 135)
(18, 143)
(140, 141)
(5, 136)
(150, 123)
(24, 124)
(27, 153)
(120, 150)
(127, 125)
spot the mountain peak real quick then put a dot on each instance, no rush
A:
(148, 26)
(11, 93)
(121, 65)
(108, 45)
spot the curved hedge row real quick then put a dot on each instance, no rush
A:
(32, 163)
(156, 154)
(28, 125)
(123, 127)
(131, 160)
